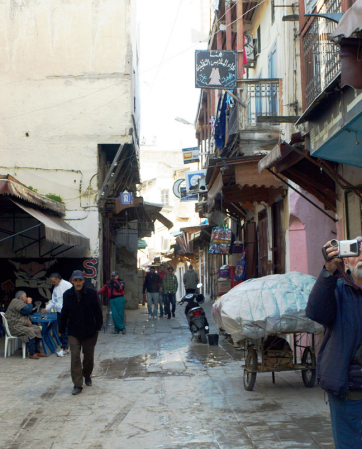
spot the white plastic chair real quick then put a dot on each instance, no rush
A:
(37, 305)
(14, 341)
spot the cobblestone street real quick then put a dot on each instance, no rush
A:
(155, 388)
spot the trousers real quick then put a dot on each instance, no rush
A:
(170, 300)
(162, 303)
(117, 308)
(155, 297)
(33, 345)
(346, 420)
(77, 369)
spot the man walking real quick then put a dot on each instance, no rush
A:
(152, 285)
(115, 292)
(190, 280)
(162, 274)
(60, 286)
(17, 315)
(82, 316)
(169, 287)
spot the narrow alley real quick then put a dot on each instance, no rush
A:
(155, 388)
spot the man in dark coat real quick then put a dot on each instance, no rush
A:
(337, 304)
(82, 316)
(152, 284)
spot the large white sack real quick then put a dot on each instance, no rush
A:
(268, 305)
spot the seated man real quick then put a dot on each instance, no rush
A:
(20, 325)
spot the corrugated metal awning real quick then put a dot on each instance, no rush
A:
(275, 155)
(56, 229)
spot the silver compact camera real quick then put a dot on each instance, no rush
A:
(346, 248)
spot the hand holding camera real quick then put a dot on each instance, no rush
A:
(334, 250)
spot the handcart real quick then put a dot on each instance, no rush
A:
(261, 358)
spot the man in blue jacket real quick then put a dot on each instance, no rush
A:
(337, 304)
(82, 316)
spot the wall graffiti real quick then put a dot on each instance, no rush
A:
(32, 275)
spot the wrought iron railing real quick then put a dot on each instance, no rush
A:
(261, 97)
(321, 56)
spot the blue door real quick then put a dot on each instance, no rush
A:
(272, 87)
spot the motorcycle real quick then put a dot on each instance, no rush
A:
(195, 314)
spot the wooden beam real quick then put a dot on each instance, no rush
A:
(110, 177)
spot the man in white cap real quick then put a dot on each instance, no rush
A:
(82, 316)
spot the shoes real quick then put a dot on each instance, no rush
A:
(169, 317)
(41, 354)
(34, 357)
(61, 353)
(173, 315)
(115, 332)
(155, 317)
(88, 382)
(161, 316)
(150, 316)
(123, 331)
(77, 390)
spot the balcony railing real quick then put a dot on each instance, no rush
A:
(321, 56)
(262, 97)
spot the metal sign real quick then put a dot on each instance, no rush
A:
(215, 69)
(176, 187)
(188, 196)
(196, 181)
(126, 198)
(190, 155)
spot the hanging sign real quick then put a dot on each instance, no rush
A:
(215, 69)
(188, 196)
(190, 155)
(126, 198)
(196, 181)
(176, 187)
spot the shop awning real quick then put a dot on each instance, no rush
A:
(56, 229)
(350, 22)
(12, 187)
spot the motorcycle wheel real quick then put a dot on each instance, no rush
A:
(203, 335)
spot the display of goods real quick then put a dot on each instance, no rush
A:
(221, 235)
(237, 247)
(223, 286)
(224, 272)
(268, 305)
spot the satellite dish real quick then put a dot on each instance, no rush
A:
(176, 187)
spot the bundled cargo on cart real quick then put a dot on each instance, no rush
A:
(268, 305)
(259, 313)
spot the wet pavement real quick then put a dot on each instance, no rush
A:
(155, 388)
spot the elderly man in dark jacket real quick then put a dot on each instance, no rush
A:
(337, 304)
(82, 316)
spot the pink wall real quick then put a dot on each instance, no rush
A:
(309, 230)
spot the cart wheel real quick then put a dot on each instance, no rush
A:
(308, 375)
(251, 362)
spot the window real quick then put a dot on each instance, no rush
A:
(353, 215)
(165, 244)
(258, 36)
(164, 197)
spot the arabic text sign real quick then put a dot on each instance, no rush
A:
(190, 155)
(125, 198)
(215, 69)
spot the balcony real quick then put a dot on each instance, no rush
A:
(261, 97)
(321, 56)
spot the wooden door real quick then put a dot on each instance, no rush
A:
(263, 243)
(251, 251)
(278, 239)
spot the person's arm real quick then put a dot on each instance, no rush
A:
(196, 278)
(322, 301)
(98, 315)
(184, 278)
(103, 289)
(27, 309)
(145, 284)
(176, 284)
(64, 315)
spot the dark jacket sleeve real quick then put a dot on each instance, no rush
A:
(98, 315)
(62, 325)
(322, 302)
(145, 284)
(26, 310)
